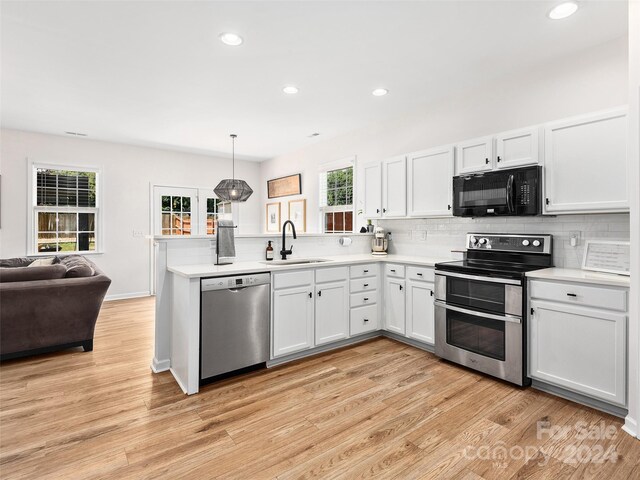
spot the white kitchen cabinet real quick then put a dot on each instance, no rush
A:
(293, 320)
(580, 349)
(394, 187)
(420, 311)
(429, 184)
(332, 312)
(586, 163)
(474, 155)
(394, 305)
(372, 201)
(517, 148)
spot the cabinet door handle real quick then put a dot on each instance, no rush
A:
(366, 284)
(365, 320)
(571, 295)
(448, 207)
(384, 210)
(486, 161)
(400, 287)
(366, 271)
(310, 295)
(498, 157)
(319, 293)
(392, 270)
(366, 299)
(377, 210)
(419, 274)
(431, 292)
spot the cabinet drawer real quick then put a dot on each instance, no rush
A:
(335, 274)
(421, 273)
(363, 319)
(292, 279)
(367, 270)
(580, 294)
(394, 270)
(364, 298)
(364, 284)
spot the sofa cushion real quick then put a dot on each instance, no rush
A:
(28, 274)
(77, 266)
(15, 262)
(40, 262)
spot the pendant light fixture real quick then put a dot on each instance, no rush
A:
(232, 189)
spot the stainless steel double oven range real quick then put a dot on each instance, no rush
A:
(480, 312)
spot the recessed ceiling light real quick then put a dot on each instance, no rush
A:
(290, 90)
(563, 10)
(379, 92)
(232, 39)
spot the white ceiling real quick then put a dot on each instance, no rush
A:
(155, 73)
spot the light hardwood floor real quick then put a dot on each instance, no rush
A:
(379, 409)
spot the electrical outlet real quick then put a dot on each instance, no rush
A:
(574, 238)
(420, 235)
(138, 233)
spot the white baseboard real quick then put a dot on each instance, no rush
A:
(631, 426)
(158, 366)
(125, 296)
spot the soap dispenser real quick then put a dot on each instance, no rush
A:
(269, 252)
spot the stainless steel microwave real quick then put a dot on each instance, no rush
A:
(514, 192)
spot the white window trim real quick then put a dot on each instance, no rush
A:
(32, 208)
(327, 167)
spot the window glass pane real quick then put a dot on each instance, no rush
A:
(86, 241)
(166, 221)
(186, 204)
(186, 224)
(338, 221)
(166, 231)
(349, 196)
(176, 204)
(166, 203)
(211, 205)
(46, 222)
(341, 196)
(348, 221)
(67, 180)
(331, 198)
(47, 242)
(67, 241)
(67, 197)
(85, 199)
(46, 196)
(86, 222)
(328, 222)
(67, 222)
(211, 226)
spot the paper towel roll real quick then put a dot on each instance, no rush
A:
(345, 241)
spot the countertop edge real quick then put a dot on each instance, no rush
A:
(580, 276)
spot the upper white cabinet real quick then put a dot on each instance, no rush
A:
(517, 148)
(429, 184)
(394, 187)
(385, 188)
(586, 163)
(372, 175)
(474, 155)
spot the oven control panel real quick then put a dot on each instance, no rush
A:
(509, 242)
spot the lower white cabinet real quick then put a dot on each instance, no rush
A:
(394, 305)
(420, 311)
(332, 312)
(582, 349)
(293, 320)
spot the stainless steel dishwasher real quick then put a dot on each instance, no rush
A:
(234, 324)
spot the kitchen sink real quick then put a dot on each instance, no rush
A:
(296, 261)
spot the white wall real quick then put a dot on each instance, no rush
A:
(127, 172)
(631, 424)
(593, 80)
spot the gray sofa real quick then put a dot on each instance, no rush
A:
(49, 307)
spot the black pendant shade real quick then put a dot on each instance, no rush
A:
(233, 189)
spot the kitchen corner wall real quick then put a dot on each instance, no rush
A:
(436, 237)
(591, 80)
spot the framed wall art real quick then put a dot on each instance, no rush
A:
(298, 214)
(284, 186)
(273, 217)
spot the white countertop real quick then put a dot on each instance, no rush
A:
(210, 270)
(582, 276)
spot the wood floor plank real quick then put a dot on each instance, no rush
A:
(379, 409)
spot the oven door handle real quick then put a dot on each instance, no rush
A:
(501, 318)
(480, 278)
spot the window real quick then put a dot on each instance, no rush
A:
(187, 211)
(336, 200)
(65, 209)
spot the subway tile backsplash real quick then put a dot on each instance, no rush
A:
(437, 237)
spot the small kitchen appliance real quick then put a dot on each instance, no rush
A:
(480, 303)
(379, 242)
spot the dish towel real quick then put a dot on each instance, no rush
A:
(226, 240)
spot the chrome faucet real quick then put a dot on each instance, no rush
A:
(284, 252)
